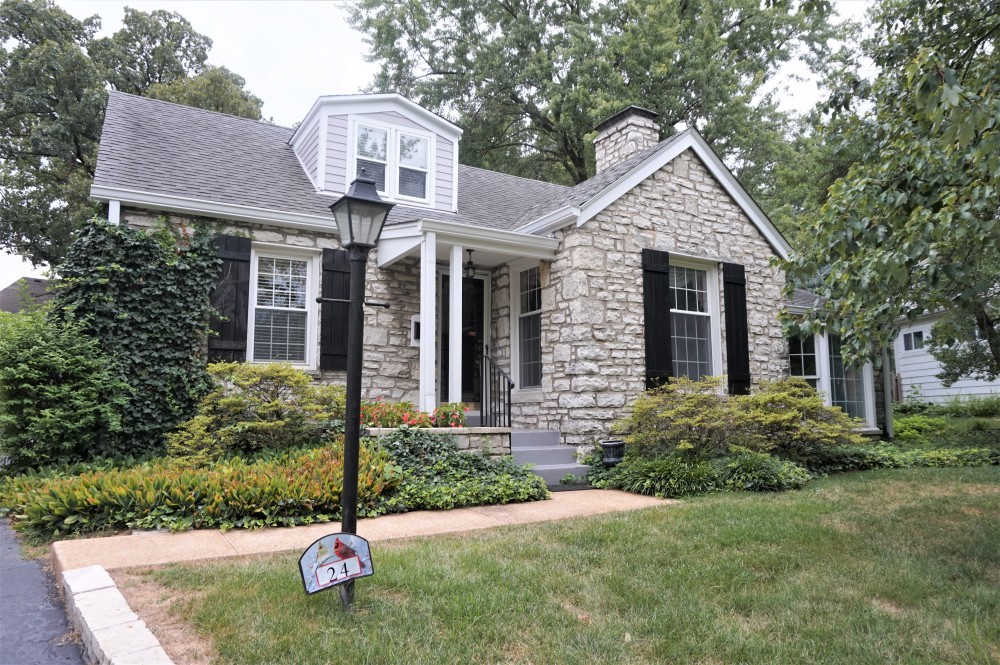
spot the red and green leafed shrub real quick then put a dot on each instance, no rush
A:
(296, 487)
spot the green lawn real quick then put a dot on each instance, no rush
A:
(880, 567)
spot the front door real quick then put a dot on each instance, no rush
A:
(473, 337)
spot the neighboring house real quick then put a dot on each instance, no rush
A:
(917, 369)
(661, 265)
(25, 291)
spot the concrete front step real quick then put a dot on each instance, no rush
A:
(533, 438)
(544, 455)
(553, 474)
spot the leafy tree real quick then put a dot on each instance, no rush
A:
(529, 80)
(54, 76)
(914, 225)
(215, 89)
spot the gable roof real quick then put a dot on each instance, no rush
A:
(166, 156)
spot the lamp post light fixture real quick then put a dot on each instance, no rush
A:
(360, 216)
(470, 267)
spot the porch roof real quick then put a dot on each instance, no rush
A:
(492, 247)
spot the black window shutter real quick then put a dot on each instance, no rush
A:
(656, 303)
(334, 315)
(734, 290)
(230, 299)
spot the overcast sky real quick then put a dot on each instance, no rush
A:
(290, 53)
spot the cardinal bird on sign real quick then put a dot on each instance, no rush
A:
(345, 552)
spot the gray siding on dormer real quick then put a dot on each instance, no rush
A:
(443, 174)
(309, 151)
(336, 154)
(339, 152)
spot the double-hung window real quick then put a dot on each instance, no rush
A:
(802, 359)
(398, 160)
(530, 328)
(913, 341)
(847, 383)
(691, 322)
(283, 316)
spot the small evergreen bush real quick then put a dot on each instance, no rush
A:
(257, 407)
(60, 395)
(908, 428)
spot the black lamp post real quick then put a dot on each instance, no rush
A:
(360, 216)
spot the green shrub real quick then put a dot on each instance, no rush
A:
(436, 475)
(685, 417)
(862, 458)
(144, 298)
(295, 487)
(257, 407)
(759, 472)
(387, 414)
(917, 426)
(788, 416)
(60, 397)
(666, 477)
(984, 407)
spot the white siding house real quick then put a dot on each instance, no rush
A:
(917, 369)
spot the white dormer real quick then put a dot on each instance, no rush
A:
(411, 153)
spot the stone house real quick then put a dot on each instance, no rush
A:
(660, 265)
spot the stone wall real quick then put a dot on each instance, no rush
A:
(492, 441)
(391, 365)
(593, 346)
(626, 136)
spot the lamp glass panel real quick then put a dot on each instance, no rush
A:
(367, 220)
(342, 216)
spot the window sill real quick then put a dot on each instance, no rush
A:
(531, 395)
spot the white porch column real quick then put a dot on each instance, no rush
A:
(455, 326)
(428, 321)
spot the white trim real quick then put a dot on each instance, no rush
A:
(400, 240)
(825, 385)
(313, 277)
(115, 212)
(428, 325)
(689, 139)
(188, 206)
(515, 269)
(713, 288)
(380, 103)
(455, 325)
(552, 221)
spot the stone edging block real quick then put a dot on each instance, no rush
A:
(111, 632)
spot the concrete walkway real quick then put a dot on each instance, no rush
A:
(147, 549)
(33, 623)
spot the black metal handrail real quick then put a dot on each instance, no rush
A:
(497, 387)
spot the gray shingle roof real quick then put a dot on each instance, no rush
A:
(12, 298)
(580, 194)
(163, 148)
(802, 299)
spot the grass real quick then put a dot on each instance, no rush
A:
(880, 567)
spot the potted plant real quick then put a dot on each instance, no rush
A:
(613, 450)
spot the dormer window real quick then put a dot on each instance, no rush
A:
(397, 159)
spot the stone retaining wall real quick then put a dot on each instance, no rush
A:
(494, 441)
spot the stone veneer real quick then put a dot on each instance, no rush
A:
(391, 365)
(593, 346)
(491, 441)
(624, 135)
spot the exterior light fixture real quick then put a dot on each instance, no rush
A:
(360, 215)
(470, 267)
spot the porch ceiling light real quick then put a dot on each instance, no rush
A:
(470, 267)
(360, 214)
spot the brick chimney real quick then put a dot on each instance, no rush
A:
(624, 134)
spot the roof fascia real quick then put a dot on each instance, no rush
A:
(552, 221)
(346, 104)
(483, 238)
(188, 206)
(688, 139)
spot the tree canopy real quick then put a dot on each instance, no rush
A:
(913, 226)
(528, 80)
(54, 78)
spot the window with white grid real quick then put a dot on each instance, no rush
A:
(281, 310)
(530, 329)
(802, 359)
(691, 322)
(847, 388)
